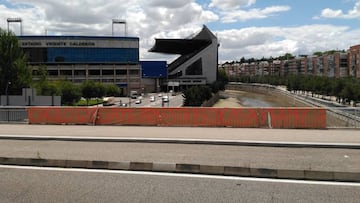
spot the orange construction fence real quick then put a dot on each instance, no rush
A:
(313, 118)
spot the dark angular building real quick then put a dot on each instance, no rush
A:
(198, 61)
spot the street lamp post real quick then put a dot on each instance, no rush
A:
(14, 20)
(6, 92)
(118, 21)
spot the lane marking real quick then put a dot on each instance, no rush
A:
(216, 177)
(185, 140)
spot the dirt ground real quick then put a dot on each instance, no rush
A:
(266, 98)
(260, 98)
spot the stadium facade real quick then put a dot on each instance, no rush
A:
(115, 60)
(109, 60)
(198, 61)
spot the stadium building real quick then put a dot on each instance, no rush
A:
(198, 61)
(109, 60)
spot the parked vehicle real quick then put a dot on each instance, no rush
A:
(165, 98)
(133, 94)
(108, 101)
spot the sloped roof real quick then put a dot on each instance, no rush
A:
(184, 46)
(178, 46)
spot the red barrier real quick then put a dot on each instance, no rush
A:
(201, 117)
(61, 115)
(314, 118)
(128, 116)
(295, 117)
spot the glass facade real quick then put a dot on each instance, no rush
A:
(82, 55)
(111, 60)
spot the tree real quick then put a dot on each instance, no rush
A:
(196, 95)
(318, 53)
(91, 89)
(14, 75)
(88, 90)
(70, 93)
(221, 81)
(42, 85)
(112, 90)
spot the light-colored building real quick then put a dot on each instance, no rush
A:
(109, 60)
(198, 61)
(335, 65)
(354, 61)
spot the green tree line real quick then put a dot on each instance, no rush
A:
(344, 89)
(71, 93)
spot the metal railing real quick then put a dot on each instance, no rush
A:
(343, 117)
(13, 115)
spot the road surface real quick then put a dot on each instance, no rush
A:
(339, 160)
(251, 134)
(24, 184)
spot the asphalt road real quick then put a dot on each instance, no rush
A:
(174, 100)
(341, 160)
(72, 185)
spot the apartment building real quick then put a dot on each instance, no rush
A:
(335, 65)
(354, 61)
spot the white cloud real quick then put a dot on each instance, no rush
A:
(351, 14)
(231, 4)
(145, 18)
(150, 19)
(167, 4)
(243, 15)
(275, 41)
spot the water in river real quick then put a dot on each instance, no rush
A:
(252, 102)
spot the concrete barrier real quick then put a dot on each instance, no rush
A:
(312, 118)
(237, 171)
(188, 168)
(164, 167)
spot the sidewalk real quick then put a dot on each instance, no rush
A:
(241, 134)
(273, 162)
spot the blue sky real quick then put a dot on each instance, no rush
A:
(245, 28)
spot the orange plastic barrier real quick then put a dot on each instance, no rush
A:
(61, 115)
(296, 117)
(128, 116)
(293, 117)
(314, 118)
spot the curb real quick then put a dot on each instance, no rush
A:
(188, 168)
(247, 143)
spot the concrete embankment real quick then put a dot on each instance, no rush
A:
(254, 96)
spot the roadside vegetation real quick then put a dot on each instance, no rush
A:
(72, 94)
(346, 90)
(15, 75)
(197, 95)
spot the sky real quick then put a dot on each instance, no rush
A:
(245, 28)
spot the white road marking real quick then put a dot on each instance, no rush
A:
(329, 183)
(174, 139)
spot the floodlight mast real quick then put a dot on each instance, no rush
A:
(14, 20)
(118, 21)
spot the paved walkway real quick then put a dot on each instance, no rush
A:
(281, 135)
